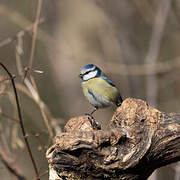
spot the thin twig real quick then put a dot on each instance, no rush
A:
(43, 174)
(30, 84)
(21, 121)
(4, 143)
(11, 168)
(35, 28)
(8, 117)
(18, 75)
(41, 104)
(19, 34)
(46, 114)
(31, 88)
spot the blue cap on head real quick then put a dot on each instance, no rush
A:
(90, 68)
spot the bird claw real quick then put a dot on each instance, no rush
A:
(89, 114)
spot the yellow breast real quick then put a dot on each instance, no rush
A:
(100, 88)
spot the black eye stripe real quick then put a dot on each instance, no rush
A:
(87, 72)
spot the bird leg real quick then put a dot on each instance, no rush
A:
(91, 114)
(95, 109)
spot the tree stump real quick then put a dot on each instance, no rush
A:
(140, 139)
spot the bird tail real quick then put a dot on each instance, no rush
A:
(119, 101)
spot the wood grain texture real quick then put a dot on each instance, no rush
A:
(140, 139)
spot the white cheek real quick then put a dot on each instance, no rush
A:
(89, 75)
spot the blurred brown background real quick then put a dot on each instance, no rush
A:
(135, 42)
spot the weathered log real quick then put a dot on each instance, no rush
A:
(140, 139)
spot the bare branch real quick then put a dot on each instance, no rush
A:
(19, 34)
(31, 85)
(21, 121)
(8, 117)
(35, 28)
(11, 167)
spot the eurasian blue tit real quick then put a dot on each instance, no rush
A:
(98, 88)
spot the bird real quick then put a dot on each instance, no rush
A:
(98, 89)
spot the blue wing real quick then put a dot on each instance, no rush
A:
(92, 94)
(107, 80)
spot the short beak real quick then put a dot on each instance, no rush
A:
(80, 75)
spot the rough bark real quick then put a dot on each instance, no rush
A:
(140, 139)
